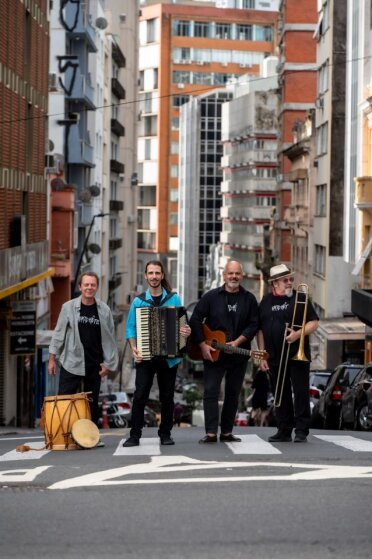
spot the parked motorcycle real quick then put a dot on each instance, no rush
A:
(114, 417)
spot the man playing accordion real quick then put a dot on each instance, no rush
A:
(158, 294)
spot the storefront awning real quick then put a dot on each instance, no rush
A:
(342, 329)
(26, 283)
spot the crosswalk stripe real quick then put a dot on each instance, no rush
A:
(346, 441)
(29, 455)
(252, 444)
(147, 447)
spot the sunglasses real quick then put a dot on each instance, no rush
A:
(287, 280)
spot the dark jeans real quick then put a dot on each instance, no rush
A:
(294, 412)
(71, 384)
(213, 375)
(145, 372)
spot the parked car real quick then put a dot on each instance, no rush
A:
(122, 401)
(356, 403)
(329, 404)
(317, 383)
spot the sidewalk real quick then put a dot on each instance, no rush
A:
(20, 431)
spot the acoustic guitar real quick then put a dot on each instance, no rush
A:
(217, 339)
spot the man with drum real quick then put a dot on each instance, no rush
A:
(287, 318)
(84, 343)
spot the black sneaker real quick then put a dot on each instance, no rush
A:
(208, 439)
(229, 438)
(300, 438)
(166, 440)
(132, 441)
(280, 438)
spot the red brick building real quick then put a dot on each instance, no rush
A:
(24, 273)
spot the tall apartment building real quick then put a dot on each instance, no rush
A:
(186, 49)
(24, 275)
(200, 196)
(297, 94)
(249, 134)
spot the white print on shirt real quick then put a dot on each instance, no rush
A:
(232, 308)
(91, 320)
(282, 307)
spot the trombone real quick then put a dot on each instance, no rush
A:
(302, 288)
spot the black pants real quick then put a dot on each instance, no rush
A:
(91, 382)
(213, 375)
(145, 372)
(294, 411)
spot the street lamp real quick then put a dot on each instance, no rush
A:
(85, 246)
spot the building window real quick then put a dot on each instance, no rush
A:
(147, 196)
(151, 31)
(174, 171)
(323, 78)
(144, 219)
(174, 148)
(181, 77)
(173, 195)
(173, 218)
(175, 123)
(181, 53)
(263, 33)
(179, 100)
(223, 31)
(146, 240)
(201, 29)
(181, 28)
(322, 139)
(244, 32)
(319, 260)
(249, 4)
(321, 200)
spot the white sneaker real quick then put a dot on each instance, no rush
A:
(100, 444)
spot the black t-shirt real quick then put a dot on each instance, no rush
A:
(274, 312)
(90, 334)
(232, 302)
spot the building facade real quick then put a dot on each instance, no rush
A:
(186, 49)
(25, 273)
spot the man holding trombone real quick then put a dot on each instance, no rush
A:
(287, 318)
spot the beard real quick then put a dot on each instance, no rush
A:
(289, 291)
(232, 284)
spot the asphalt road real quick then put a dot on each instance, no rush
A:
(189, 500)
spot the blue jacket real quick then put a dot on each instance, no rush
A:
(131, 331)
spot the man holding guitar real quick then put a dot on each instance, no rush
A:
(223, 323)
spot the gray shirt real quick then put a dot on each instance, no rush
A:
(66, 344)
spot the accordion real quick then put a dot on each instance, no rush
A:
(158, 331)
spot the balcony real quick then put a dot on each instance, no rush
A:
(249, 185)
(363, 193)
(80, 151)
(117, 55)
(240, 213)
(117, 89)
(117, 128)
(114, 244)
(76, 21)
(116, 166)
(114, 282)
(82, 90)
(249, 242)
(116, 205)
(249, 158)
(361, 305)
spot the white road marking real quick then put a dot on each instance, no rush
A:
(28, 455)
(15, 476)
(183, 464)
(351, 443)
(252, 444)
(147, 447)
(19, 438)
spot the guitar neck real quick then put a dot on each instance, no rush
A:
(231, 349)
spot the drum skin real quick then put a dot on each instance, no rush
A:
(59, 413)
(85, 433)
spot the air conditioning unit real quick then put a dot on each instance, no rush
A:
(53, 82)
(132, 219)
(319, 103)
(200, 63)
(224, 64)
(180, 85)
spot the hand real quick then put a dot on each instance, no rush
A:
(292, 335)
(104, 371)
(264, 365)
(206, 351)
(185, 331)
(136, 355)
(52, 368)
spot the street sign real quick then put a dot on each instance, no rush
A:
(23, 328)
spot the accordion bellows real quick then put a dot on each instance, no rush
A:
(158, 331)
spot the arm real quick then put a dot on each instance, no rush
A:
(201, 311)
(310, 327)
(261, 345)
(131, 332)
(252, 320)
(58, 340)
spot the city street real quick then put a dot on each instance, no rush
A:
(224, 500)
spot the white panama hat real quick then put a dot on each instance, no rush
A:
(279, 271)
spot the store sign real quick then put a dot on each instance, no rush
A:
(23, 328)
